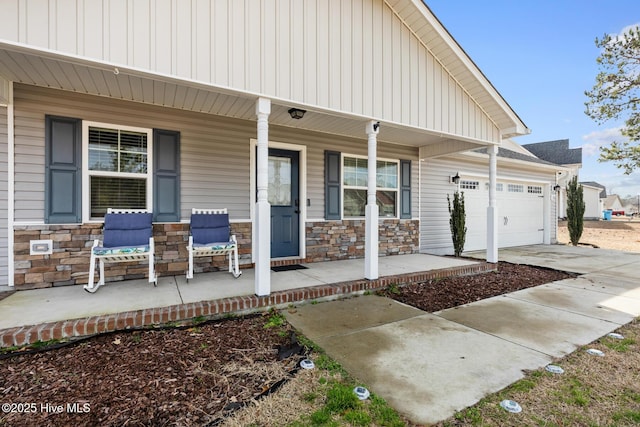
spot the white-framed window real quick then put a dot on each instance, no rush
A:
(499, 186)
(355, 183)
(515, 188)
(469, 185)
(534, 189)
(117, 168)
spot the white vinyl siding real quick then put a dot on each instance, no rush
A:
(358, 56)
(215, 153)
(4, 266)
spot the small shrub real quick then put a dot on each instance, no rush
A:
(575, 210)
(457, 222)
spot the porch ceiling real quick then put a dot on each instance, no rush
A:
(49, 69)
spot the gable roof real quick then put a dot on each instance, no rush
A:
(603, 193)
(610, 200)
(557, 152)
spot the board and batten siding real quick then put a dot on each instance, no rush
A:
(215, 150)
(356, 56)
(4, 243)
(435, 234)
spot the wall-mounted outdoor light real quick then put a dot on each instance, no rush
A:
(455, 179)
(296, 113)
(556, 187)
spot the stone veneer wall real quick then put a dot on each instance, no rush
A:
(344, 239)
(69, 263)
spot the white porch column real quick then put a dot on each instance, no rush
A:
(546, 208)
(371, 210)
(263, 208)
(7, 95)
(492, 210)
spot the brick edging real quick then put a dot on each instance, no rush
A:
(147, 318)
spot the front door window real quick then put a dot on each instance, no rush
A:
(279, 181)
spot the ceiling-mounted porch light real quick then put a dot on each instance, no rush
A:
(296, 113)
(455, 179)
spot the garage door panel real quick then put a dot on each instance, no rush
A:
(520, 215)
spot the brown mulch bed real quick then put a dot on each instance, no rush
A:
(439, 294)
(192, 376)
(173, 376)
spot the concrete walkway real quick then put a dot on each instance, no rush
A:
(136, 303)
(428, 366)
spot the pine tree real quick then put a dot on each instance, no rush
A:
(575, 210)
(457, 222)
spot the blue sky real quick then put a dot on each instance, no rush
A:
(541, 56)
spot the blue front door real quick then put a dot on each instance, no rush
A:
(284, 197)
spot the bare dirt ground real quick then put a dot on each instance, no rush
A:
(619, 234)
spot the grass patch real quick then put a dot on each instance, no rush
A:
(357, 418)
(593, 391)
(631, 416)
(341, 398)
(393, 289)
(383, 414)
(620, 346)
(275, 320)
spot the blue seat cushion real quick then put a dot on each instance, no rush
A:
(127, 229)
(209, 228)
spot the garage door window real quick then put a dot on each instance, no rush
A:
(515, 188)
(469, 185)
(534, 189)
(499, 187)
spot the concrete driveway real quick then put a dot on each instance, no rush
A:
(429, 365)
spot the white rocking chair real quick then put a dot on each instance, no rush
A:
(211, 236)
(127, 236)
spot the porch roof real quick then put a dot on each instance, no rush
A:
(23, 64)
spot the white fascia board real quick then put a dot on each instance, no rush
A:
(507, 160)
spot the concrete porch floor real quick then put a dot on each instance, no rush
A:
(136, 303)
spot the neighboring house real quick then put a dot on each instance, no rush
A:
(169, 106)
(594, 203)
(614, 203)
(559, 153)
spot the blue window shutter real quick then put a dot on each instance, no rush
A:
(332, 208)
(405, 188)
(63, 170)
(166, 175)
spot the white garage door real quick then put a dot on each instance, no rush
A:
(520, 213)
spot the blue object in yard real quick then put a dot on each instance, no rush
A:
(606, 214)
